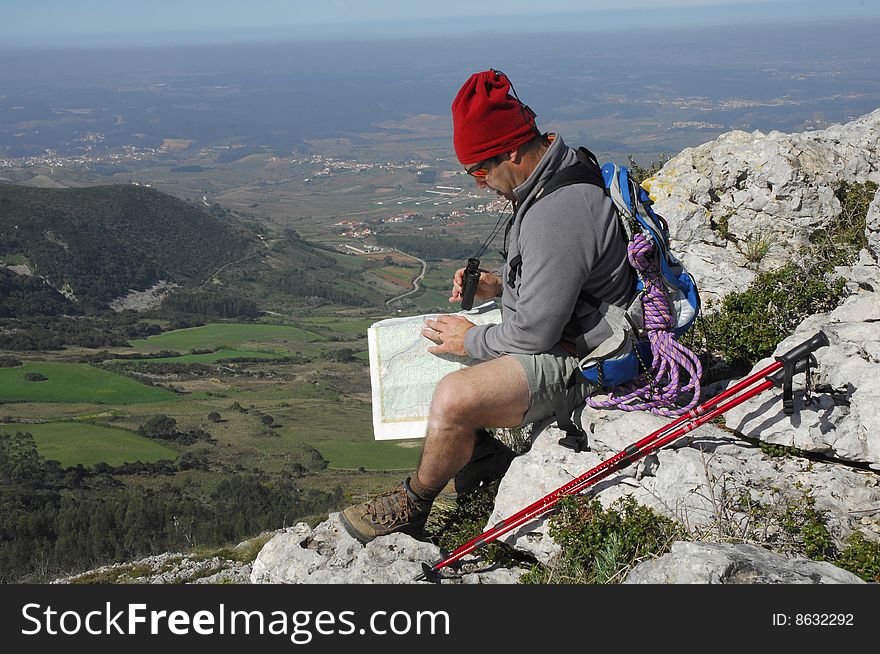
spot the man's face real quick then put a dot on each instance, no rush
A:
(495, 174)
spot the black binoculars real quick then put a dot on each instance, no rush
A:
(469, 283)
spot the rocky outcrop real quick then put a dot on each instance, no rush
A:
(722, 563)
(842, 421)
(329, 555)
(700, 481)
(698, 478)
(748, 201)
(145, 300)
(230, 565)
(168, 568)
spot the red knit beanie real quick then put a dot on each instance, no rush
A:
(486, 120)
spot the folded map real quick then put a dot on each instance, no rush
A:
(403, 373)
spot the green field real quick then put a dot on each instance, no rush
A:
(349, 327)
(75, 382)
(272, 338)
(211, 357)
(341, 430)
(313, 401)
(74, 443)
(371, 455)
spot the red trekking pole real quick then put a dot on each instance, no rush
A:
(795, 361)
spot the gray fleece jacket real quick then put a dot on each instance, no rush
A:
(572, 247)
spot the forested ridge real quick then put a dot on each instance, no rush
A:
(102, 241)
(85, 247)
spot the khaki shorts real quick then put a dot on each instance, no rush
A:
(551, 375)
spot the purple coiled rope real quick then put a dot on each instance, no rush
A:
(660, 391)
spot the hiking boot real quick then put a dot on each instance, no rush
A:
(489, 462)
(397, 510)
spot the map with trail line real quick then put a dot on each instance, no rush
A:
(403, 373)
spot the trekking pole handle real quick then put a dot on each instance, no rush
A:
(794, 361)
(806, 348)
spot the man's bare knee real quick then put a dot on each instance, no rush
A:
(452, 403)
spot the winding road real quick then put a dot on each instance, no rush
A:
(415, 281)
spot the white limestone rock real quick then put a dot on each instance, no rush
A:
(728, 199)
(872, 229)
(696, 480)
(844, 424)
(723, 563)
(329, 555)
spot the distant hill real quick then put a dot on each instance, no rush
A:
(86, 247)
(95, 244)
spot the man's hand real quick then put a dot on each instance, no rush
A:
(448, 333)
(488, 287)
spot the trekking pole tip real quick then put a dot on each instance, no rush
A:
(429, 574)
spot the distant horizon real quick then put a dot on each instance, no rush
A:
(566, 31)
(649, 94)
(90, 27)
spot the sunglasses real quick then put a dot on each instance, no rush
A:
(481, 169)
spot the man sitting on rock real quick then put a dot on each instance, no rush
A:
(563, 256)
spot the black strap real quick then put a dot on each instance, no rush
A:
(575, 437)
(585, 171)
(514, 268)
(790, 368)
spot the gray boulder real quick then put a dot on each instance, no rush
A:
(845, 422)
(329, 555)
(723, 563)
(747, 201)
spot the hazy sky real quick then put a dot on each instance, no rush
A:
(64, 23)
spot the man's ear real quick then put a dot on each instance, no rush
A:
(515, 155)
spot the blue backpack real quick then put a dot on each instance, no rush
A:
(619, 358)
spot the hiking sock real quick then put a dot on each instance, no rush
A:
(422, 491)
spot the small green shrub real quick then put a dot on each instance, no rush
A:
(722, 226)
(861, 557)
(775, 450)
(750, 324)
(803, 520)
(757, 245)
(641, 173)
(600, 545)
(786, 523)
(453, 524)
(803, 532)
(839, 243)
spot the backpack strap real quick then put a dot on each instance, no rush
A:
(585, 171)
(575, 438)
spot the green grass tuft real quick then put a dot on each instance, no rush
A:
(599, 546)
